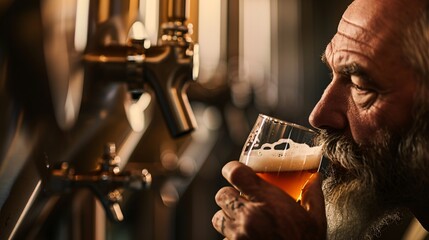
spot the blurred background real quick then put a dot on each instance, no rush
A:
(117, 116)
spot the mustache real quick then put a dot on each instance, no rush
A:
(372, 164)
(342, 151)
(349, 161)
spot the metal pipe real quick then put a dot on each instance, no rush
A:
(177, 10)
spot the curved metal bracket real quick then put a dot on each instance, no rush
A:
(107, 182)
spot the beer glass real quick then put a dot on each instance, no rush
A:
(282, 153)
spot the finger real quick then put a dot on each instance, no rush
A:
(230, 201)
(241, 176)
(218, 222)
(313, 199)
(223, 224)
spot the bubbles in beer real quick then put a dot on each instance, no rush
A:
(292, 156)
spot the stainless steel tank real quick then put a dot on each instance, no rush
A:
(78, 83)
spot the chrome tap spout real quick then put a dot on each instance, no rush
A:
(167, 68)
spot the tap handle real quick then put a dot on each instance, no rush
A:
(107, 182)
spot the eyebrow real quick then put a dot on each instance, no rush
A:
(324, 59)
(349, 69)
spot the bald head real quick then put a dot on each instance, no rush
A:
(376, 27)
(384, 18)
(401, 10)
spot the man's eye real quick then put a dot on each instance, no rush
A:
(360, 88)
(363, 95)
(359, 85)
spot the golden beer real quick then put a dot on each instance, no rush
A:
(287, 169)
(291, 182)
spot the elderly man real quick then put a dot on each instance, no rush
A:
(373, 118)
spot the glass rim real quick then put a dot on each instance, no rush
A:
(295, 125)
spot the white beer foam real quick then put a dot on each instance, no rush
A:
(299, 156)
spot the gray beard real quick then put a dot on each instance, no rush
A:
(369, 186)
(357, 217)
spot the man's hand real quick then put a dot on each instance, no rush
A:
(263, 211)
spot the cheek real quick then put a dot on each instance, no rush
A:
(393, 116)
(398, 110)
(364, 128)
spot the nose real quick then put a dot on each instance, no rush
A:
(331, 110)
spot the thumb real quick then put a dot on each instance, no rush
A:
(313, 200)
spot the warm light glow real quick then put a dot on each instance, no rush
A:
(169, 194)
(103, 10)
(137, 31)
(150, 13)
(255, 51)
(196, 61)
(209, 37)
(65, 37)
(255, 37)
(135, 112)
(74, 96)
(81, 28)
(116, 209)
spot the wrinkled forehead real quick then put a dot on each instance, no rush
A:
(372, 28)
(383, 15)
